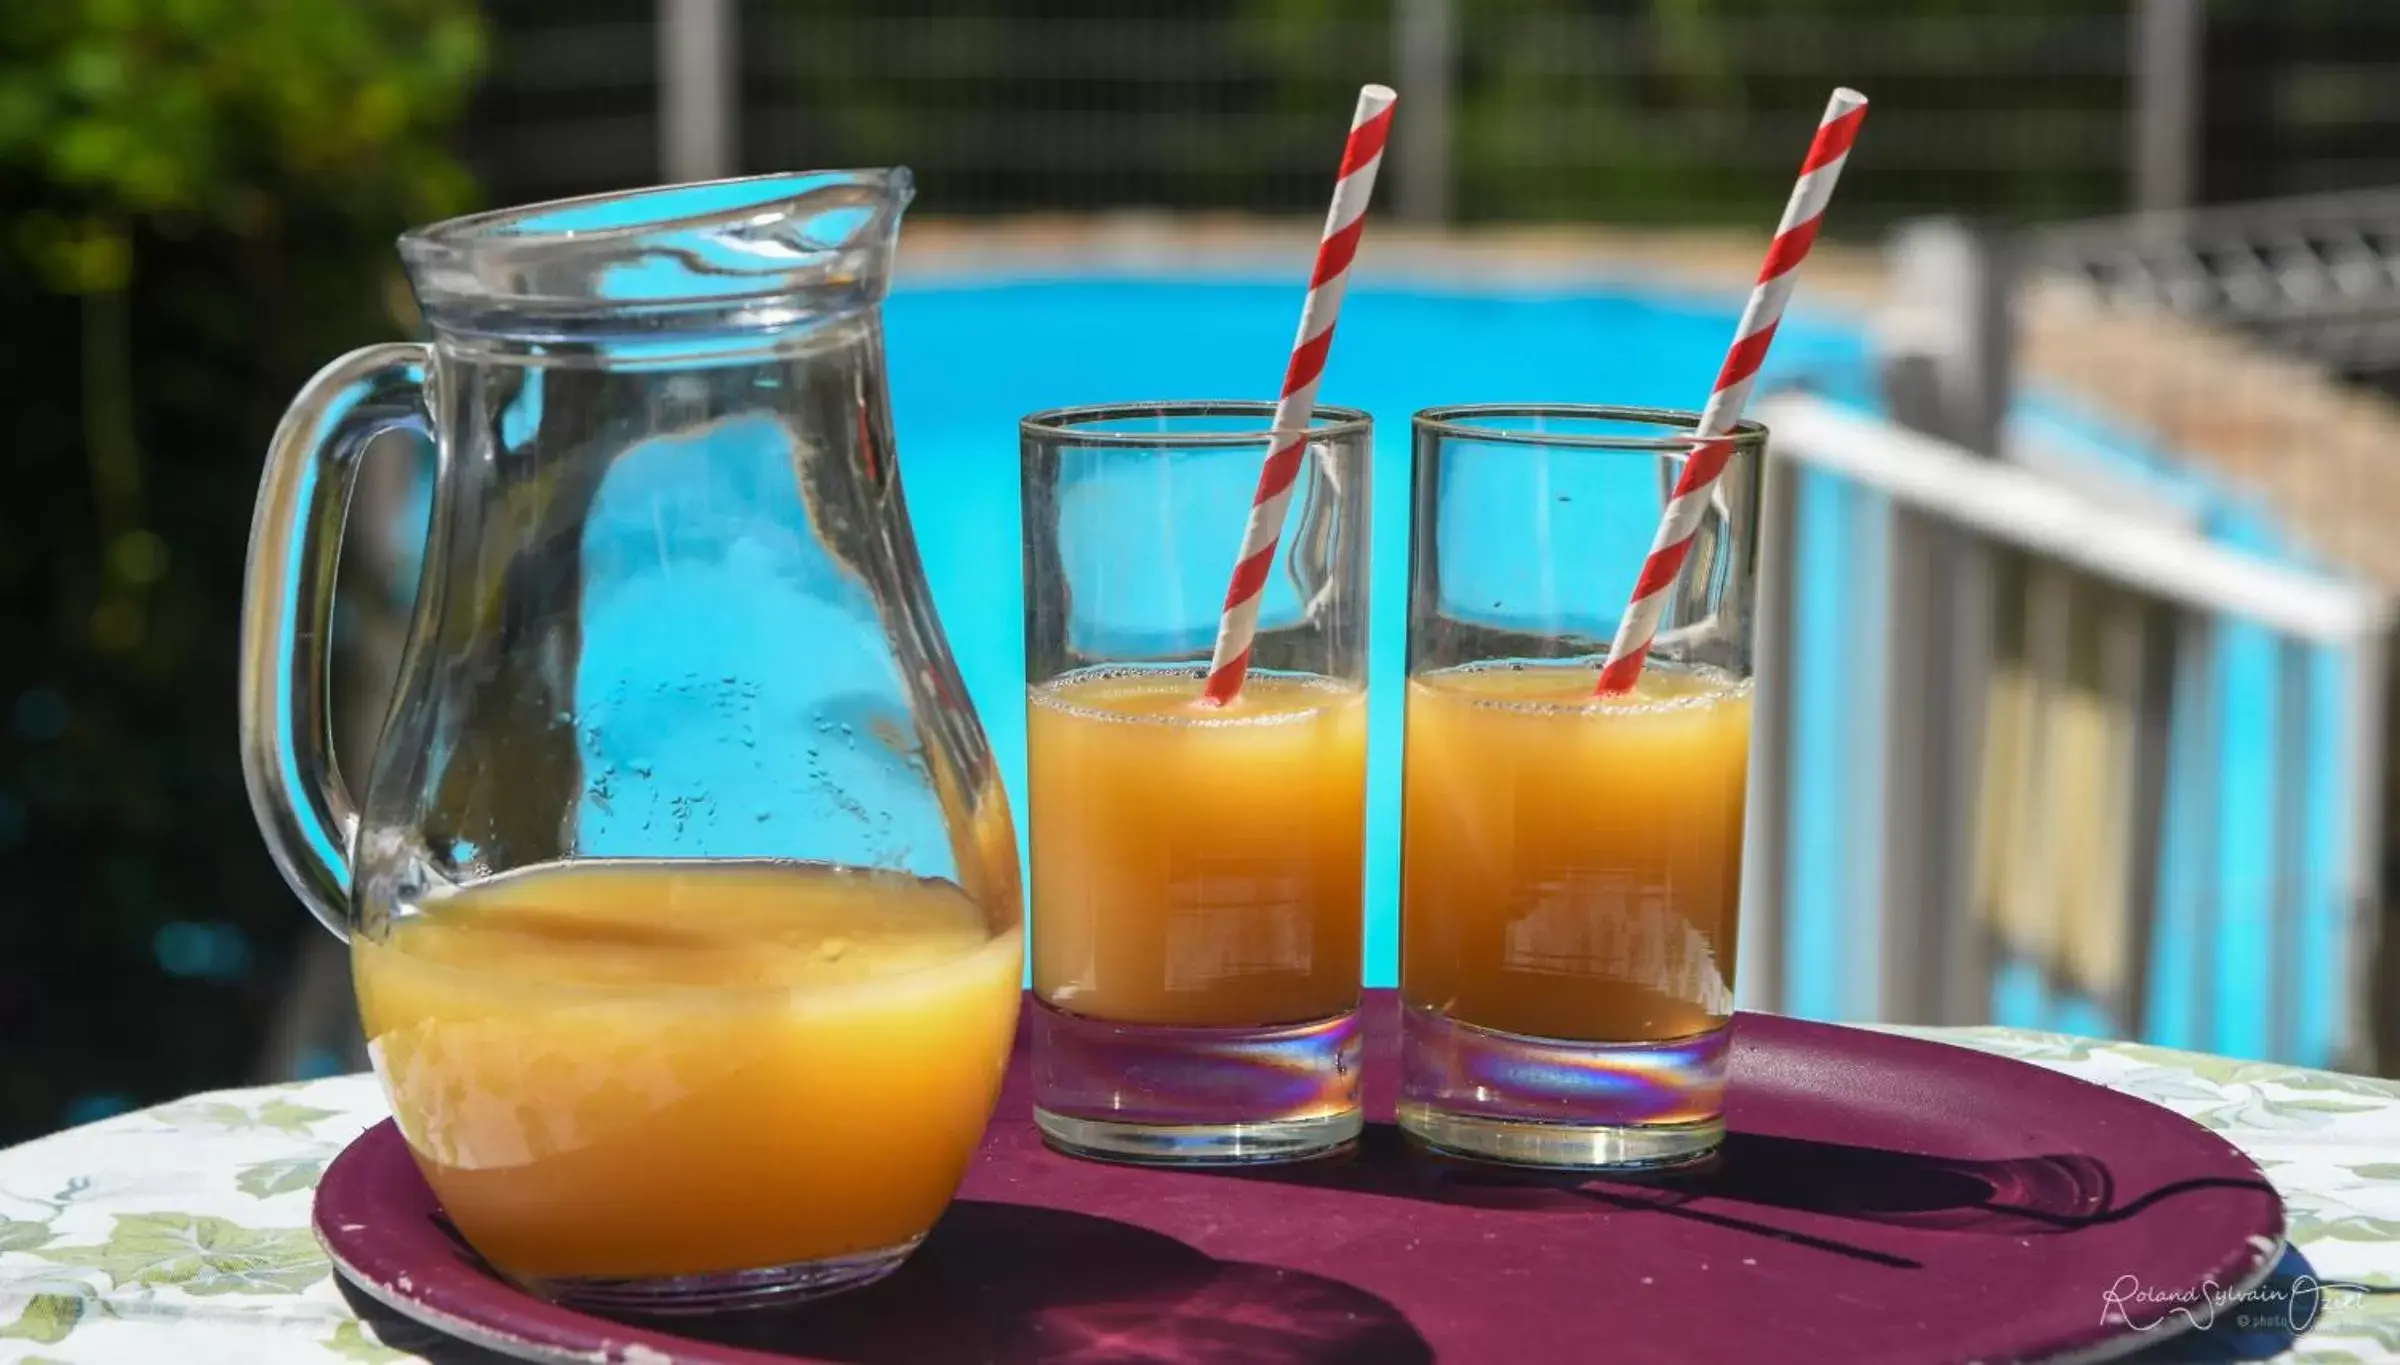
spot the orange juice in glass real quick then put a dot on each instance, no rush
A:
(1547, 895)
(1571, 864)
(1238, 826)
(1197, 867)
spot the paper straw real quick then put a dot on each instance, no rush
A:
(1288, 441)
(1714, 450)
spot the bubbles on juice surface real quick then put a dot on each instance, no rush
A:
(1555, 687)
(659, 924)
(1138, 695)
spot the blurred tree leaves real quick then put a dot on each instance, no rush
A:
(1635, 111)
(1697, 111)
(196, 115)
(197, 202)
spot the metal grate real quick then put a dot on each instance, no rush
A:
(2317, 276)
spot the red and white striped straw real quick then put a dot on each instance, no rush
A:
(1361, 157)
(1708, 459)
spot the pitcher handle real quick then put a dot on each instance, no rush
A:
(302, 804)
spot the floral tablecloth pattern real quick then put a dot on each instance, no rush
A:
(180, 1233)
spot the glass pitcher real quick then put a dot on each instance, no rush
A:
(682, 897)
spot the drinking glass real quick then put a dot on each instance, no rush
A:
(1571, 864)
(681, 894)
(1196, 869)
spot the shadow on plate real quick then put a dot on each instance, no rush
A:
(406, 1334)
(1009, 1282)
(2016, 1197)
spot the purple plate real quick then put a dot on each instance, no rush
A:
(1881, 1199)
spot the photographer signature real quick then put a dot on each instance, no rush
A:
(2304, 1299)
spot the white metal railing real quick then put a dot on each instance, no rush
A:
(2042, 755)
(2005, 502)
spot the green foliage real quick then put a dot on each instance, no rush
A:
(207, 114)
(1697, 111)
(1658, 111)
(197, 204)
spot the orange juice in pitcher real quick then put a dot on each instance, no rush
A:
(650, 1068)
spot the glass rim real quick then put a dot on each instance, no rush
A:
(751, 254)
(1063, 425)
(1461, 420)
(776, 191)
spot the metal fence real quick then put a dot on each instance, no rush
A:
(2035, 692)
(1621, 110)
(1512, 109)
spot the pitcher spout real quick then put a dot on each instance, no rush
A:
(759, 252)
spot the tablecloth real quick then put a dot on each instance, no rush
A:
(180, 1233)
